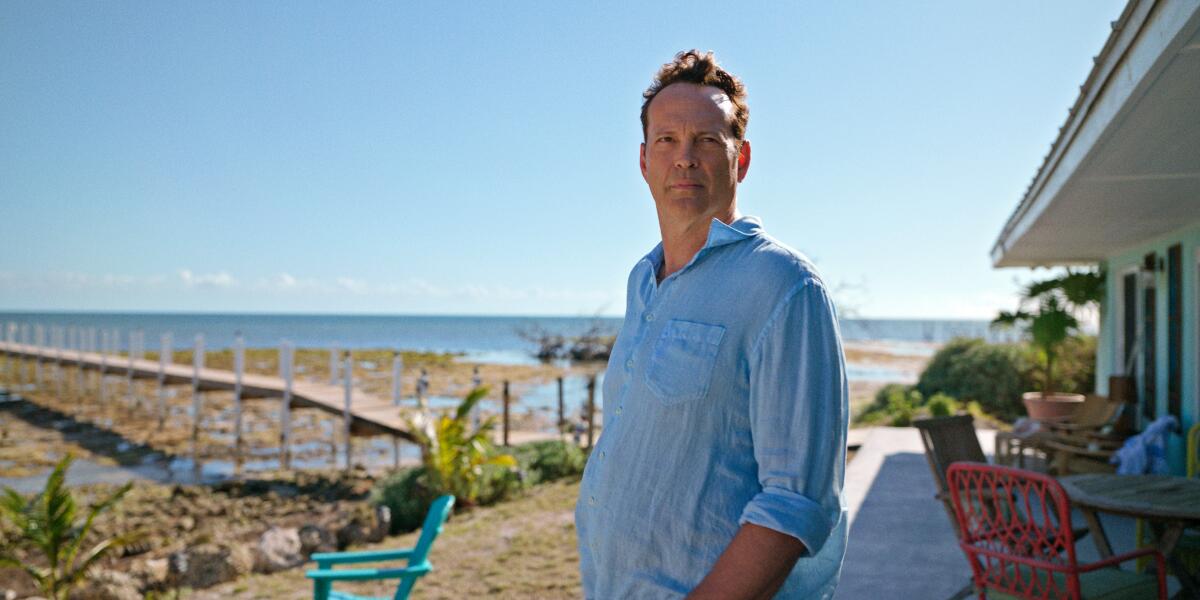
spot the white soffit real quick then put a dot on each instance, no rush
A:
(1126, 166)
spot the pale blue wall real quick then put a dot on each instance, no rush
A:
(1107, 353)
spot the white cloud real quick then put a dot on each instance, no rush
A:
(352, 285)
(220, 279)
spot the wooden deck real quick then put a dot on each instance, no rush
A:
(370, 415)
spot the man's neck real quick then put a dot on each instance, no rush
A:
(681, 241)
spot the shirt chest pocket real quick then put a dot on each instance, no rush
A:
(681, 365)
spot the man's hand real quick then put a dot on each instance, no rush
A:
(753, 566)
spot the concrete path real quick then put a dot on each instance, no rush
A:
(901, 542)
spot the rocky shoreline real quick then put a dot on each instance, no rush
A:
(199, 536)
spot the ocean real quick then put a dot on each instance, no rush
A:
(483, 339)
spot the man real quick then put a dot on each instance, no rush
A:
(719, 472)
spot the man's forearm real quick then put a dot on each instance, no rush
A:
(753, 566)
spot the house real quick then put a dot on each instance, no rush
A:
(1120, 188)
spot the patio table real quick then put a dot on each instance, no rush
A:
(1168, 504)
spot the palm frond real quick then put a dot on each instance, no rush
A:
(468, 403)
(79, 537)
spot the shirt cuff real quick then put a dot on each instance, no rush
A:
(791, 514)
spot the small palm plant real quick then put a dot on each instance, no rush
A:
(453, 454)
(1058, 300)
(47, 524)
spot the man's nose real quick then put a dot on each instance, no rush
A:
(686, 158)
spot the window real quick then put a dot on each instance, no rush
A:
(1129, 317)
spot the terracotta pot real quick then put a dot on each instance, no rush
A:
(1052, 407)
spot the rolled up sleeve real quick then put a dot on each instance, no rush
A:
(798, 418)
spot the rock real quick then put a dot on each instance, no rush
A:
(188, 523)
(353, 533)
(284, 491)
(278, 549)
(209, 564)
(383, 524)
(151, 573)
(102, 584)
(316, 539)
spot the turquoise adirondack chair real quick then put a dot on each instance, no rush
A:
(418, 563)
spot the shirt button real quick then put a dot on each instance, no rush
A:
(591, 501)
(602, 454)
(649, 317)
(629, 364)
(619, 411)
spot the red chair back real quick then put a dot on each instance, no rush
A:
(1015, 528)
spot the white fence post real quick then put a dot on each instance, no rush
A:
(57, 335)
(164, 357)
(104, 344)
(197, 364)
(239, 364)
(91, 340)
(8, 351)
(132, 357)
(397, 370)
(79, 380)
(348, 381)
(285, 408)
(24, 341)
(334, 356)
(39, 340)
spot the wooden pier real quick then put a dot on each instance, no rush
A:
(368, 415)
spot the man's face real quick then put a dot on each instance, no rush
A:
(690, 158)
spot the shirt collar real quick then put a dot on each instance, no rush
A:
(719, 234)
(741, 228)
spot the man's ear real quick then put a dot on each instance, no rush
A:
(642, 160)
(743, 160)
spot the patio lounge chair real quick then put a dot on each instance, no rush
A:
(1015, 530)
(417, 566)
(948, 440)
(1092, 433)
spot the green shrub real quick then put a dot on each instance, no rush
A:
(902, 407)
(994, 375)
(405, 494)
(895, 404)
(886, 392)
(941, 405)
(408, 494)
(548, 460)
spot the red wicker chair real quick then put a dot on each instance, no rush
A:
(1015, 528)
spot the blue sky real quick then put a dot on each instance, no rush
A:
(482, 158)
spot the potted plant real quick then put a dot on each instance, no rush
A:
(1049, 327)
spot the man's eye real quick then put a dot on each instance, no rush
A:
(665, 138)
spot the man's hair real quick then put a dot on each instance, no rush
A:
(693, 66)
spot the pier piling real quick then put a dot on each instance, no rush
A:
(197, 364)
(285, 408)
(348, 380)
(164, 356)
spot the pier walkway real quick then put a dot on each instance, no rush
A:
(367, 414)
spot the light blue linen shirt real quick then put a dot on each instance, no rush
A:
(725, 402)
